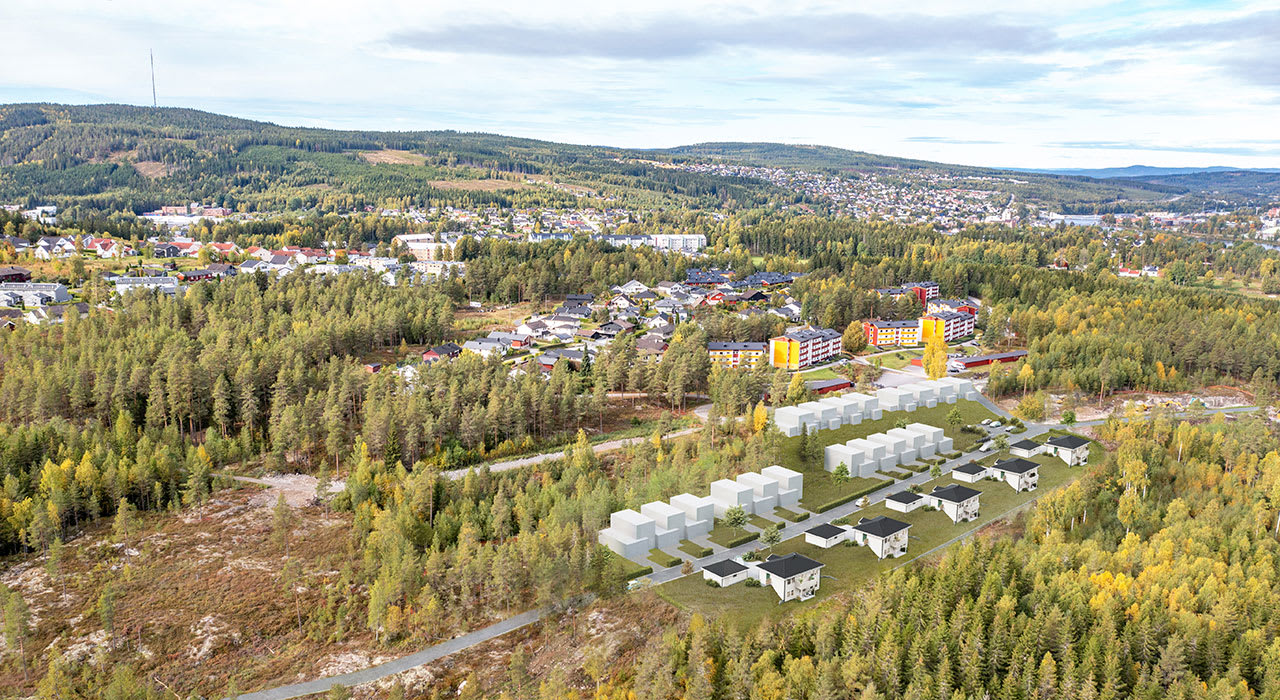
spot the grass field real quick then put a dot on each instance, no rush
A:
(899, 360)
(722, 534)
(820, 487)
(851, 566)
(822, 373)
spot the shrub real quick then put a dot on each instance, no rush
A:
(847, 497)
(753, 583)
(711, 583)
(749, 537)
(663, 559)
(695, 550)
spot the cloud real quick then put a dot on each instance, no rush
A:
(950, 140)
(1255, 147)
(842, 34)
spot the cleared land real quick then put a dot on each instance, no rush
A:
(852, 566)
(393, 157)
(485, 185)
(820, 487)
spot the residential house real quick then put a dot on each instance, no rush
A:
(792, 576)
(651, 347)
(616, 327)
(963, 306)
(485, 347)
(904, 501)
(10, 318)
(50, 247)
(632, 287)
(10, 273)
(515, 341)
(577, 312)
(33, 293)
(1072, 449)
(56, 314)
(1021, 474)
(534, 328)
(441, 352)
(549, 358)
(970, 473)
(1026, 448)
(948, 325)
(884, 536)
(622, 301)
(886, 333)
(726, 573)
(825, 535)
(166, 250)
(196, 275)
(960, 503)
(165, 285)
(579, 299)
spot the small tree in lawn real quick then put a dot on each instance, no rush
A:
(841, 473)
(1068, 417)
(1002, 442)
(771, 537)
(935, 471)
(735, 518)
(954, 419)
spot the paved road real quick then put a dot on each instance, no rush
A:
(607, 446)
(511, 624)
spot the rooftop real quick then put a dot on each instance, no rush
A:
(880, 526)
(789, 566)
(955, 493)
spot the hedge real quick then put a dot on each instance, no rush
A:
(637, 573)
(695, 550)
(663, 559)
(749, 537)
(848, 497)
(791, 515)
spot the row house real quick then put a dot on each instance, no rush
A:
(886, 333)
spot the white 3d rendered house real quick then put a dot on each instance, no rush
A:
(790, 484)
(668, 523)
(894, 399)
(904, 501)
(1021, 474)
(894, 447)
(699, 513)
(764, 492)
(792, 576)
(960, 503)
(791, 420)
(727, 494)
(629, 534)
(826, 535)
(726, 573)
(1071, 449)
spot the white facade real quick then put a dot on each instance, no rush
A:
(668, 521)
(792, 420)
(35, 293)
(629, 534)
(728, 494)
(895, 399)
(829, 416)
(764, 492)
(790, 484)
(699, 513)
(963, 388)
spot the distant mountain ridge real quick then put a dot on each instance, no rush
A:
(1142, 171)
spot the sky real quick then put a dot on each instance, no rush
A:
(1072, 84)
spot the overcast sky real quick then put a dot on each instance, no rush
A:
(991, 82)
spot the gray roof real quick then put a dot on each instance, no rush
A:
(728, 567)
(790, 565)
(826, 531)
(970, 468)
(1026, 444)
(880, 526)
(1069, 442)
(955, 493)
(904, 497)
(1016, 465)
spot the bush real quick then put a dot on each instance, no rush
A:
(711, 583)
(749, 537)
(637, 573)
(753, 583)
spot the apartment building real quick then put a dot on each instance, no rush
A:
(734, 355)
(887, 333)
(804, 347)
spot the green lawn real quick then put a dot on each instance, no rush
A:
(760, 521)
(899, 360)
(853, 566)
(694, 549)
(823, 373)
(721, 534)
(820, 487)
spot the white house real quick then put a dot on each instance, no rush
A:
(699, 513)
(629, 534)
(35, 293)
(792, 576)
(914, 442)
(970, 473)
(790, 484)
(792, 420)
(825, 535)
(764, 492)
(727, 494)
(165, 285)
(1026, 448)
(894, 399)
(668, 523)
(726, 573)
(958, 502)
(1071, 449)
(895, 448)
(876, 455)
(904, 501)
(885, 536)
(1021, 474)
(828, 415)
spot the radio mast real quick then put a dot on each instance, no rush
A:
(152, 53)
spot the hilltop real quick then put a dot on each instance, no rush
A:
(136, 158)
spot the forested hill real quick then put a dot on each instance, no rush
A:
(137, 158)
